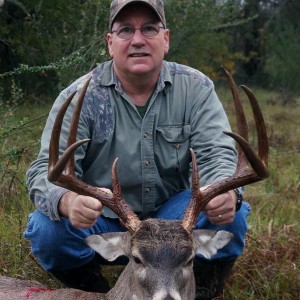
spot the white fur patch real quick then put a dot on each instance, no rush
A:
(208, 242)
(141, 274)
(110, 245)
(162, 294)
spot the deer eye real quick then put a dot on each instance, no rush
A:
(137, 260)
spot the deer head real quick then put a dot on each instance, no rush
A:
(160, 252)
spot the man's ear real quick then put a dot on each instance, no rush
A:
(167, 40)
(110, 245)
(109, 44)
(208, 242)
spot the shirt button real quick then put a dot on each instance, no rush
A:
(178, 146)
(145, 135)
(147, 190)
(147, 162)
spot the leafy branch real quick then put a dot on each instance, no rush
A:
(21, 126)
(65, 62)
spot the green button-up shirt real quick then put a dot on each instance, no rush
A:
(154, 159)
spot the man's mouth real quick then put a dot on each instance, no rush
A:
(135, 52)
(138, 54)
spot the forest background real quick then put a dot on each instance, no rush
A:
(45, 45)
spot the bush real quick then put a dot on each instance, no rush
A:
(282, 60)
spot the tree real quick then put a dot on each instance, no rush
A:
(282, 47)
(199, 33)
(50, 42)
(55, 41)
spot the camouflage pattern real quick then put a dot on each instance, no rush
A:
(117, 5)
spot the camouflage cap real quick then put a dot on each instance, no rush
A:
(117, 5)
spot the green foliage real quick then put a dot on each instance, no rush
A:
(282, 59)
(46, 44)
(19, 140)
(65, 62)
(271, 43)
(200, 34)
(54, 42)
(49, 43)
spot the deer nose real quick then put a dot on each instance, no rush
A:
(168, 297)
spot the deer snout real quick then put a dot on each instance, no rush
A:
(169, 297)
(163, 295)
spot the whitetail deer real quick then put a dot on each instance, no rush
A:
(160, 252)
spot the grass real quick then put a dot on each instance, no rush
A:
(269, 266)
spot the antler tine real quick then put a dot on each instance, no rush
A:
(61, 170)
(130, 220)
(74, 127)
(241, 121)
(244, 174)
(258, 162)
(53, 149)
(56, 166)
(263, 143)
(196, 202)
(240, 114)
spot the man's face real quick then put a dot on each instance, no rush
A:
(138, 55)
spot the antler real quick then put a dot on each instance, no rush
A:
(61, 170)
(244, 173)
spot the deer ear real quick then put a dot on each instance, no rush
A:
(110, 245)
(208, 242)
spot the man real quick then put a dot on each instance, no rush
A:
(148, 112)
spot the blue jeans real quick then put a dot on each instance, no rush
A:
(59, 246)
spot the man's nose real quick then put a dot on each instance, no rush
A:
(138, 37)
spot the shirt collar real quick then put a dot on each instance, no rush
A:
(108, 77)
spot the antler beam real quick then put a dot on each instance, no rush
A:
(61, 170)
(251, 167)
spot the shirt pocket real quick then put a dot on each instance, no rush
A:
(172, 153)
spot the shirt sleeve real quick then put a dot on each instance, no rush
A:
(215, 151)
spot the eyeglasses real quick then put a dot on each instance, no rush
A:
(148, 31)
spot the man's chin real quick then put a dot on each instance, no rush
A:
(141, 70)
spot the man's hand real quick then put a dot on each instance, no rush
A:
(83, 211)
(221, 209)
